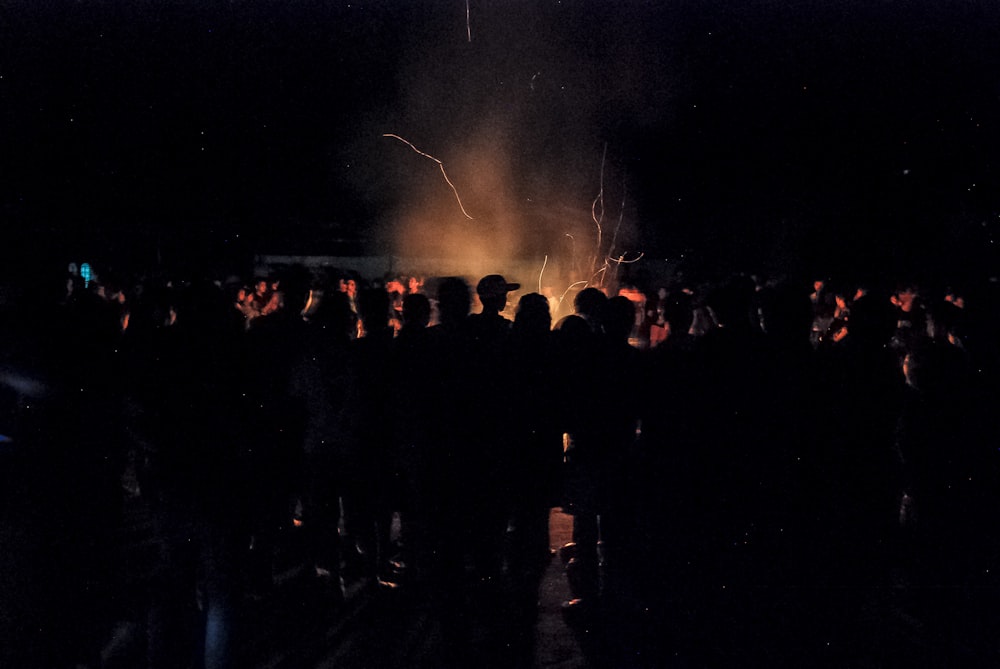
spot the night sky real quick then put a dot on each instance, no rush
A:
(820, 136)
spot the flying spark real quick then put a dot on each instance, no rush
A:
(574, 285)
(621, 215)
(440, 164)
(544, 263)
(621, 259)
(598, 219)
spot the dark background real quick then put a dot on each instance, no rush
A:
(827, 137)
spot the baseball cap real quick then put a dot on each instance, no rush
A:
(494, 285)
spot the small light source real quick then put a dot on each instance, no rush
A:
(87, 273)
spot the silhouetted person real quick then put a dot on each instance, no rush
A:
(665, 403)
(588, 304)
(723, 471)
(196, 484)
(856, 477)
(413, 368)
(616, 476)
(911, 319)
(445, 472)
(368, 502)
(489, 446)
(949, 484)
(582, 389)
(278, 417)
(536, 440)
(327, 379)
(60, 408)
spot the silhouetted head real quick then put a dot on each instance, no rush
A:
(678, 311)
(202, 308)
(618, 317)
(872, 321)
(532, 314)
(788, 313)
(950, 321)
(588, 304)
(335, 314)
(373, 308)
(416, 311)
(454, 300)
(492, 290)
(574, 332)
(934, 368)
(732, 303)
(295, 283)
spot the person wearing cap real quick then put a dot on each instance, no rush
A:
(490, 382)
(492, 290)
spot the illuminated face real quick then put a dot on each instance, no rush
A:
(352, 287)
(906, 299)
(261, 287)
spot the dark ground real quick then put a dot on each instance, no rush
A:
(886, 626)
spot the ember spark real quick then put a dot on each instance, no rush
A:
(440, 165)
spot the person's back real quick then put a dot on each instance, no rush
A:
(449, 402)
(201, 481)
(325, 378)
(367, 505)
(411, 363)
(536, 440)
(616, 474)
(948, 467)
(582, 364)
(727, 459)
(864, 395)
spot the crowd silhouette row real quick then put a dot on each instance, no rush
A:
(769, 456)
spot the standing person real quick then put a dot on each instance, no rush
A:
(367, 502)
(412, 366)
(444, 473)
(581, 338)
(946, 443)
(191, 415)
(857, 475)
(327, 379)
(349, 286)
(62, 458)
(616, 484)
(536, 442)
(490, 441)
(279, 414)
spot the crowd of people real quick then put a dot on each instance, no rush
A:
(730, 454)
